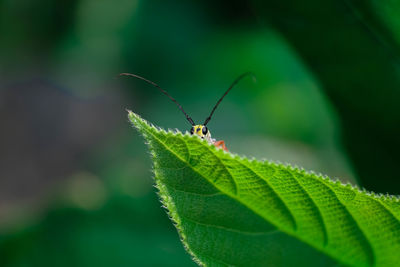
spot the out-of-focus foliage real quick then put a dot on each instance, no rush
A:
(325, 99)
(350, 46)
(125, 232)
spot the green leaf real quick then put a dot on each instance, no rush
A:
(234, 211)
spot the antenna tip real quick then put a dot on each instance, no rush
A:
(119, 75)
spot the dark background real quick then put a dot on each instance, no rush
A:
(76, 181)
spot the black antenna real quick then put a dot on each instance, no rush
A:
(163, 91)
(227, 91)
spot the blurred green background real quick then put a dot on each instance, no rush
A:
(76, 183)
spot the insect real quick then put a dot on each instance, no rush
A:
(200, 130)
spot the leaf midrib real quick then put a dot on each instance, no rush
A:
(230, 229)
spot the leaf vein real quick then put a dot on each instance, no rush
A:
(368, 249)
(275, 192)
(318, 211)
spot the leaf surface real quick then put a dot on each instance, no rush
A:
(231, 210)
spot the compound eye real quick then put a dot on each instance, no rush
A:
(204, 130)
(192, 130)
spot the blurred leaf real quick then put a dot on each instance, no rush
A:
(352, 52)
(233, 211)
(125, 232)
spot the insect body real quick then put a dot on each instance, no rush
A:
(200, 130)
